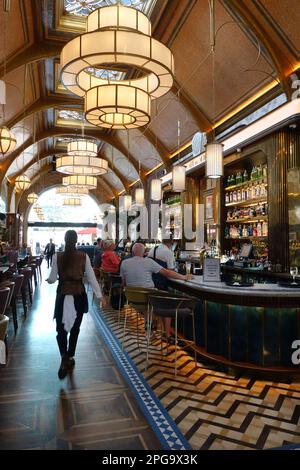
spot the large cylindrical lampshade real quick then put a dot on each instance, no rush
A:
(126, 202)
(32, 198)
(22, 183)
(80, 181)
(81, 165)
(82, 147)
(214, 160)
(71, 190)
(178, 178)
(72, 201)
(139, 197)
(155, 189)
(117, 107)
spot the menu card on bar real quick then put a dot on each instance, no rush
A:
(211, 270)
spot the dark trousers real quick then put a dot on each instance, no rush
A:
(62, 336)
(49, 259)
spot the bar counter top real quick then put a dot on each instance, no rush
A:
(257, 295)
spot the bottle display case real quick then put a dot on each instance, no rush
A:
(246, 210)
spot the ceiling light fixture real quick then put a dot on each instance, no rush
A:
(72, 201)
(32, 198)
(89, 182)
(117, 36)
(81, 165)
(22, 183)
(8, 141)
(70, 190)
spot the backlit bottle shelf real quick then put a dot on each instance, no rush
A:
(251, 220)
(247, 183)
(248, 202)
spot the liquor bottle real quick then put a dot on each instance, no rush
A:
(245, 231)
(265, 229)
(254, 231)
(251, 230)
(239, 195)
(240, 231)
(257, 190)
(259, 172)
(245, 176)
(231, 196)
(259, 229)
(252, 174)
(265, 171)
(249, 192)
(253, 191)
(227, 198)
(234, 197)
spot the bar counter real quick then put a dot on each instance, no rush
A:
(251, 327)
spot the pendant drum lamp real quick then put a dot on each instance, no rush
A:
(89, 182)
(81, 165)
(139, 197)
(126, 202)
(72, 201)
(117, 36)
(82, 147)
(69, 190)
(156, 189)
(214, 160)
(178, 178)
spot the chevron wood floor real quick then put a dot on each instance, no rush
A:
(92, 409)
(214, 409)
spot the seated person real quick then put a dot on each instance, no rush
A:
(110, 261)
(137, 272)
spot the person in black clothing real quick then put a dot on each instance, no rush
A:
(49, 252)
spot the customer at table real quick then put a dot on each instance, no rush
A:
(137, 272)
(98, 252)
(164, 253)
(110, 261)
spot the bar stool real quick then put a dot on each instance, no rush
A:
(174, 307)
(138, 300)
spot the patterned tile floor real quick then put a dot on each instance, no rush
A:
(214, 409)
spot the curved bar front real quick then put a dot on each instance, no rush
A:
(251, 327)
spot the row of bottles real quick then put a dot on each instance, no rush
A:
(257, 172)
(261, 210)
(172, 200)
(252, 191)
(245, 231)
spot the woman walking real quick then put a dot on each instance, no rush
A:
(71, 303)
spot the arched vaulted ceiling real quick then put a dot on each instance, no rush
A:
(257, 50)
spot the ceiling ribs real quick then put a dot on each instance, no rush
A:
(240, 11)
(61, 131)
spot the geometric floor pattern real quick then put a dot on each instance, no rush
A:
(213, 409)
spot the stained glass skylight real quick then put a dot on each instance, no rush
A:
(85, 7)
(69, 115)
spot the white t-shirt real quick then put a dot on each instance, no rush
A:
(163, 253)
(137, 271)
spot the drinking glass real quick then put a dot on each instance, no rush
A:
(188, 267)
(294, 272)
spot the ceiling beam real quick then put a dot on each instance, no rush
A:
(61, 131)
(54, 152)
(205, 125)
(34, 53)
(41, 104)
(240, 11)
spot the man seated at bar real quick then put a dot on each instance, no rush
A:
(110, 261)
(163, 252)
(137, 272)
